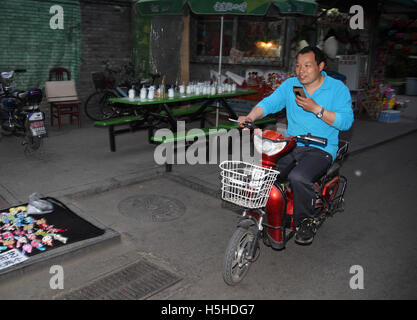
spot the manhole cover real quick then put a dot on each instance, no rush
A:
(152, 208)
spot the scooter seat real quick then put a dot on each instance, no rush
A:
(333, 170)
(20, 94)
(30, 108)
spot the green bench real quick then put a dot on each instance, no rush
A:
(132, 120)
(189, 136)
(209, 131)
(111, 123)
(185, 136)
(181, 112)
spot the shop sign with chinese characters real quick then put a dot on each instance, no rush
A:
(229, 6)
(10, 258)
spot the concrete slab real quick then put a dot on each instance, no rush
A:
(77, 167)
(189, 244)
(191, 241)
(192, 245)
(69, 159)
(366, 134)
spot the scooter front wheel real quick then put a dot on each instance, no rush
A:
(238, 255)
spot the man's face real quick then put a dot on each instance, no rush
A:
(307, 69)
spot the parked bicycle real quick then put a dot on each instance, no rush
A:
(98, 107)
(20, 114)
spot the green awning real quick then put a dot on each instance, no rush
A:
(305, 7)
(240, 7)
(156, 7)
(248, 7)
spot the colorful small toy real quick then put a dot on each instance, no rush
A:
(29, 220)
(27, 248)
(9, 243)
(20, 241)
(60, 238)
(38, 245)
(47, 240)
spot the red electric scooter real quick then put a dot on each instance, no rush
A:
(267, 200)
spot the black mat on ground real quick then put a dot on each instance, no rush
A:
(63, 218)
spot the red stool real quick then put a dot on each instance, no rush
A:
(58, 109)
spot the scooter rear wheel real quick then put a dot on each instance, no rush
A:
(32, 144)
(237, 260)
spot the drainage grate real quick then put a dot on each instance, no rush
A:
(137, 281)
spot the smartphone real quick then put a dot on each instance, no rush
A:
(299, 91)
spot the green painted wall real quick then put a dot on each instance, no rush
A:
(141, 29)
(29, 42)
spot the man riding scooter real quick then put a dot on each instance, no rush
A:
(318, 104)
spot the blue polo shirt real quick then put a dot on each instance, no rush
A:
(332, 95)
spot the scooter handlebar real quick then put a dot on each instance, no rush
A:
(307, 139)
(248, 125)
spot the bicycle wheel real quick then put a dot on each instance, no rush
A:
(98, 107)
(237, 260)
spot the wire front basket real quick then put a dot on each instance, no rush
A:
(245, 184)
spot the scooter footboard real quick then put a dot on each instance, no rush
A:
(339, 199)
(336, 200)
(284, 233)
(276, 221)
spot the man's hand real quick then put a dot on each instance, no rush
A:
(255, 114)
(308, 104)
(243, 119)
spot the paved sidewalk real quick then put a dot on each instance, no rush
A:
(75, 160)
(77, 166)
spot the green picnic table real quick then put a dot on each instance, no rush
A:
(166, 110)
(152, 112)
(168, 105)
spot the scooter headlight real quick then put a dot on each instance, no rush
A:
(267, 146)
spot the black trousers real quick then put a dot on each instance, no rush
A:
(304, 166)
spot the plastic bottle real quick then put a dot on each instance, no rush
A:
(131, 93)
(151, 93)
(143, 93)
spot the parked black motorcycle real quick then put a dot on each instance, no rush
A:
(20, 114)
